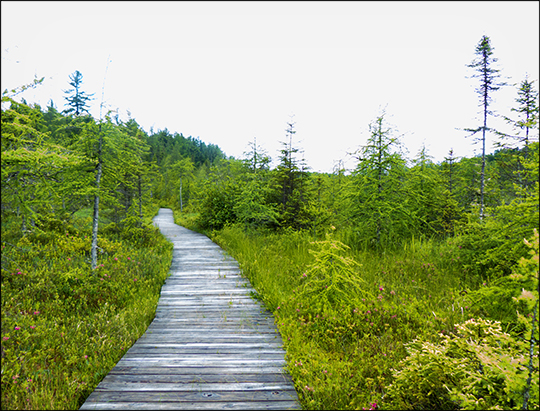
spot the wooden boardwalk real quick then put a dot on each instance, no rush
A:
(210, 346)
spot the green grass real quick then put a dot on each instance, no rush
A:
(341, 355)
(63, 326)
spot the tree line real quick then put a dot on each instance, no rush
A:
(55, 163)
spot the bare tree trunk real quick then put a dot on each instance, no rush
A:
(483, 172)
(139, 186)
(181, 202)
(96, 205)
(527, 394)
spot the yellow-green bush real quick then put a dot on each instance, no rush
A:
(476, 367)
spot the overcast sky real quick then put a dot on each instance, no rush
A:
(229, 72)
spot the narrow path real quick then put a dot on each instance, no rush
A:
(210, 346)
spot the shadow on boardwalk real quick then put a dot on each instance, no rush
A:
(210, 346)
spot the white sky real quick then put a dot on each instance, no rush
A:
(227, 72)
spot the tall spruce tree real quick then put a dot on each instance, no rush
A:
(256, 158)
(291, 184)
(375, 198)
(488, 76)
(77, 100)
(449, 170)
(527, 120)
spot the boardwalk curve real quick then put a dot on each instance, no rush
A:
(210, 346)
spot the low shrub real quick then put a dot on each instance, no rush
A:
(476, 367)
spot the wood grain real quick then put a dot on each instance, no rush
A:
(210, 346)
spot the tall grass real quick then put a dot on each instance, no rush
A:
(64, 327)
(341, 356)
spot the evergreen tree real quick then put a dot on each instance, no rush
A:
(527, 112)
(488, 75)
(33, 168)
(256, 158)
(429, 202)
(449, 170)
(252, 206)
(291, 186)
(375, 198)
(77, 100)
(524, 126)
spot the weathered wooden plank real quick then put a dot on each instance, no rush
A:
(175, 340)
(223, 326)
(215, 326)
(208, 335)
(199, 396)
(235, 315)
(224, 330)
(210, 346)
(164, 335)
(180, 265)
(163, 313)
(215, 312)
(174, 315)
(213, 352)
(214, 300)
(217, 277)
(206, 378)
(213, 356)
(205, 320)
(206, 361)
(193, 370)
(214, 283)
(208, 320)
(211, 271)
(186, 302)
(189, 405)
(211, 329)
(253, 318)
(217, 293)
(256, 387)
(209, 307)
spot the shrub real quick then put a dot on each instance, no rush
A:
(478, 367)
(331, 280)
